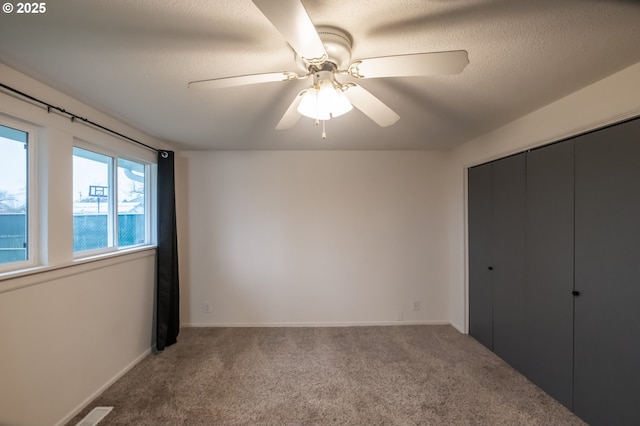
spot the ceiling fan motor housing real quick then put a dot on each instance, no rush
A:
(337, 43)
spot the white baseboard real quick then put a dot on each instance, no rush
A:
(315, 324)
(458, 327)
(102, 388)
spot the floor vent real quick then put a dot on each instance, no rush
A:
(94, 417)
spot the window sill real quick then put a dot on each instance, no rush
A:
(14, 280)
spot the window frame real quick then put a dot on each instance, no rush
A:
(113, 226)
(32, 204)
(147, 200)
(111, 240)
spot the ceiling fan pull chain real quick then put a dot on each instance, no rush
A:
(324, 133)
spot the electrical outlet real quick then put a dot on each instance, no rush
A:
(206, 307)
(400, 316)
(416, 305)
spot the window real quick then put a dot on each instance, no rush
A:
(99, 209)
(132, 183)
(14, 197)
(108, 187)
(92, 217)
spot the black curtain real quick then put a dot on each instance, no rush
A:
(167, 281)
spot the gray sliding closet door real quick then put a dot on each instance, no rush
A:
(607, 275)
(508, 274)
(549, 271)
(480, 181)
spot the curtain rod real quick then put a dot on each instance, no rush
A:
(75, 117)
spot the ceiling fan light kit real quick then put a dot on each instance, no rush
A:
(325, 99)
(324, 102)
(325, 52)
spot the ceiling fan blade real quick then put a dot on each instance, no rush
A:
(371, 106)
(291, 116)
(418, 64)
(241, 80)
(292, 21)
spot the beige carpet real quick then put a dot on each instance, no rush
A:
(405, 375)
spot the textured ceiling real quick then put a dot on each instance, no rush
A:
(133, 59)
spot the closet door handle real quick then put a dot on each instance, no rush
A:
(575, 293)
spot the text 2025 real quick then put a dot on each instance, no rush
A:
(31, 7)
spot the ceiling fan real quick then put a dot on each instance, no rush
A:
(325, 53)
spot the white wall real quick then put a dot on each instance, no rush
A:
(70, 334)
(69, 328)
(308, 238)
(605, 102)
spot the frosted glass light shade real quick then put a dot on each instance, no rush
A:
(342, 104)
(324, 103)
(309, 106)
